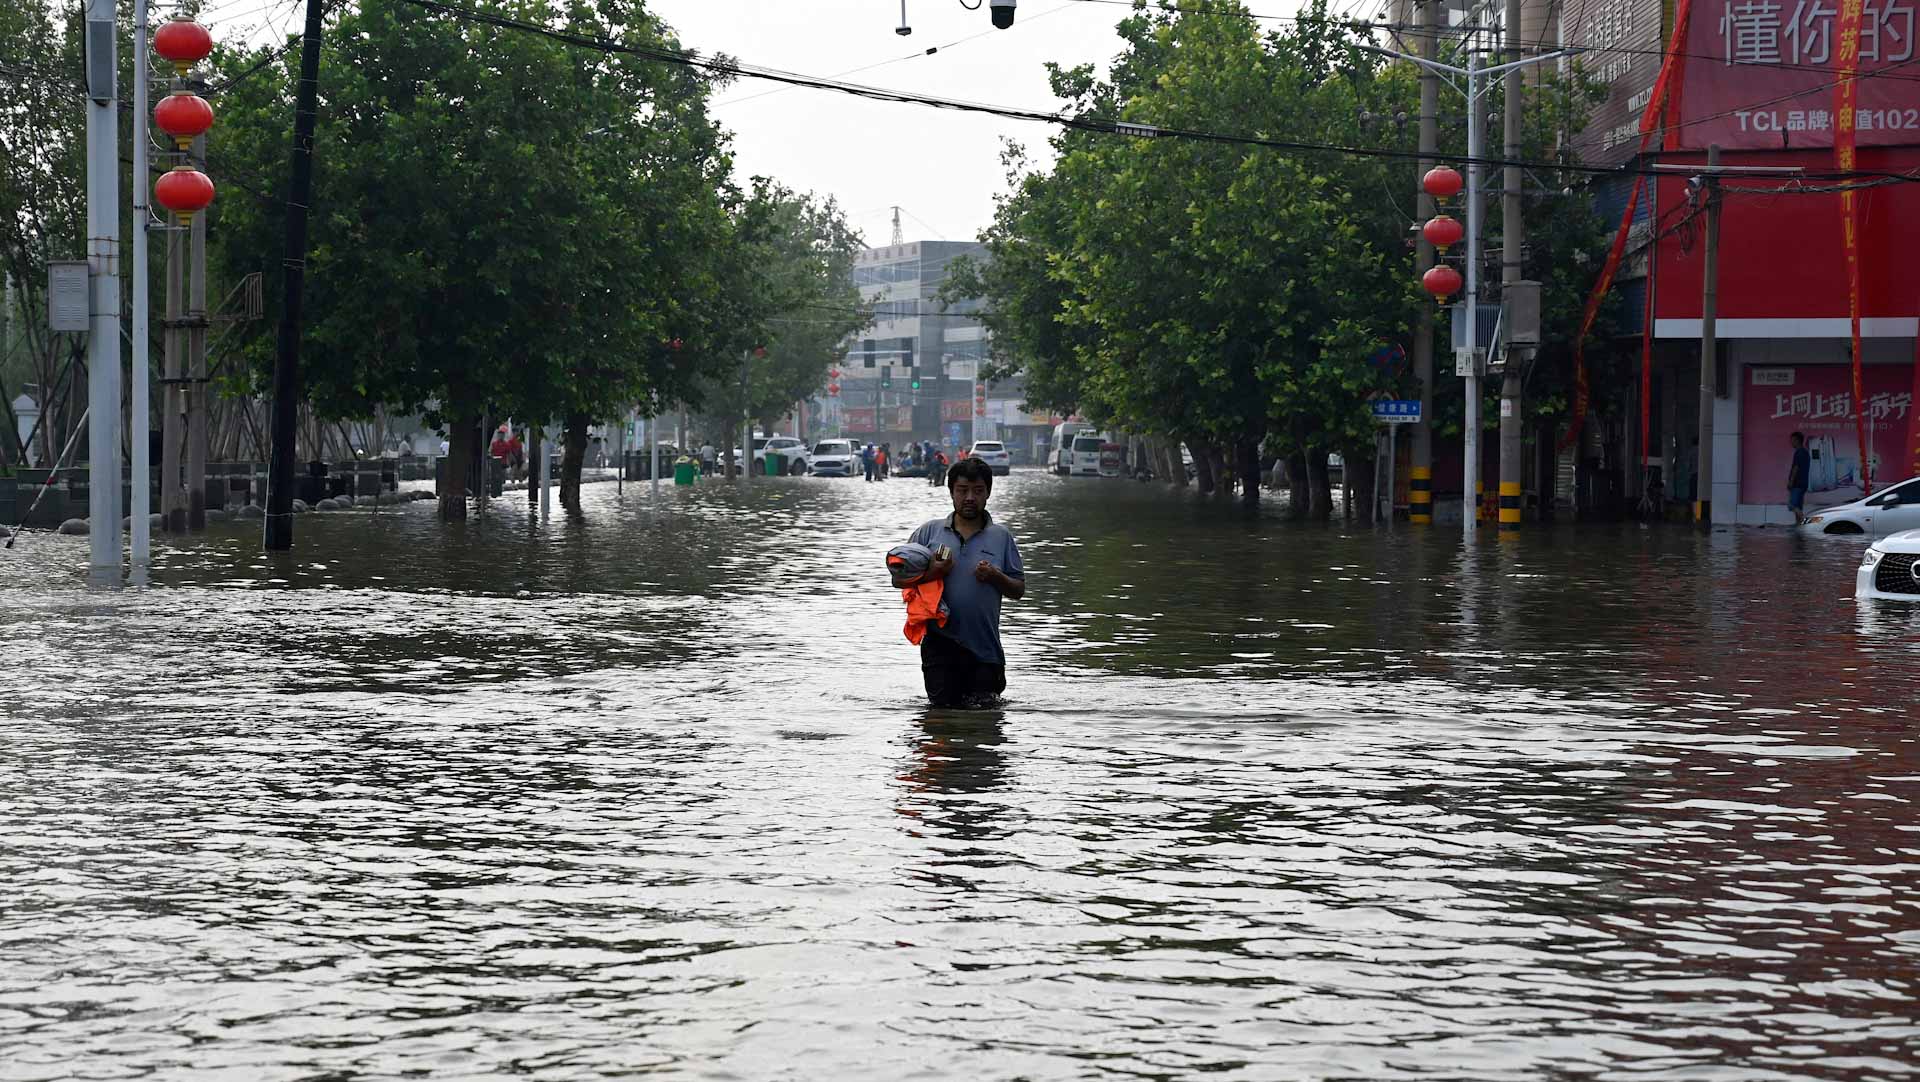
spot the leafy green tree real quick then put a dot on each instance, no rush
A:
(503, 223)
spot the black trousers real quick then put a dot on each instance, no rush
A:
(955, 677)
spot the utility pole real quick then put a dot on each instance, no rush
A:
(278, 535)
(1420, 480)
(1709, 347)
(196, 385)
(103, 266)
(141, 411)
(173, 411)
(746, 416)
(1513, 239)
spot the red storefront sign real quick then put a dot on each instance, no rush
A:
(1760, 75)
(858, 420)
(1783, 256)
(956, 409)
(1817, 399)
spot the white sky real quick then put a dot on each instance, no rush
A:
(941, 167)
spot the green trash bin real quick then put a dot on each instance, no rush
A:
(773, 464)
(684, 471)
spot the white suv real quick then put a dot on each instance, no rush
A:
(994, 454)
(1890, 571)
(792, 450)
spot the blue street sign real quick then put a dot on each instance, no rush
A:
(1397, 411)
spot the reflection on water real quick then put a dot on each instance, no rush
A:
(654, 789)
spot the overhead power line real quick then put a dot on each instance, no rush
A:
(736, 69)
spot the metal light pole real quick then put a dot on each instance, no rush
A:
(141, 505)
(103, 262)
(1467, 360)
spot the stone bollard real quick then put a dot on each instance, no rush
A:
(215, 514)
(74, 527)
(253, 510)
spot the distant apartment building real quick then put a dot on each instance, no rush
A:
(910, 375)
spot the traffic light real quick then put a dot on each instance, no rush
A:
(886, 378)
(916, 382)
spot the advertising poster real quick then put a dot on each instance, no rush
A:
(1760, 75)
(859, 420)
(1818, 400)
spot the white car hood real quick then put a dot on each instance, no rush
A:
(1906, 541)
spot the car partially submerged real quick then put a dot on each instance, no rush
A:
(837, 458)
(1890, 570)
(1891, 510)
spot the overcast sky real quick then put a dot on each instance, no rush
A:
(941, 167)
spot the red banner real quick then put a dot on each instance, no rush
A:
(1656, 104)
(858, 420)
(1846, 115)
(1758, 73)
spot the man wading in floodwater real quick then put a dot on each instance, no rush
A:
(980, 563)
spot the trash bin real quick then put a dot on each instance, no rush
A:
(772, 464)
(684, 471)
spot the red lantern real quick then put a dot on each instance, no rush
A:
(675, 345)
(1442, 281)
(185, 191)
(1443, 231)
(1442, 182)
(183, 116)
(183, 42)
(833, 390)
(759, 351)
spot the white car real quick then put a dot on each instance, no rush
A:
(837, 458)
(786, 447)
(994, 454)
(1889, 511)
(1890, 571)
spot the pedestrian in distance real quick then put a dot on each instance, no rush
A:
(961, 661)
(880, 462)
(866, 461)
(1797, 478)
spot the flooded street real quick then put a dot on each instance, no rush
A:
(657, 790)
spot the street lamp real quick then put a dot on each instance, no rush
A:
(1466, 359)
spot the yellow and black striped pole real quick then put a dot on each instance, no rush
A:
(1509, 507)
(1420, 495)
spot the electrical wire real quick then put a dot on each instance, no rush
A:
(737, 69)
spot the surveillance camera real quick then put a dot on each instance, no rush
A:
(903, 30)
(1003, 13)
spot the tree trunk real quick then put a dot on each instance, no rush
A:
(1248, 453)
(461, 434)
(574, 457)
(1173, 470)
(1360, 481)
(1202, 466)
(533, 450)
(1319, 487)
(1298, 497)
(1222, 471)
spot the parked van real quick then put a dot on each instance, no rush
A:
(1063, 446)
(1079, 455)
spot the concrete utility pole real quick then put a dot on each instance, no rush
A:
(173, 410)
(1513, 238)
(1709, 347)
(746, 417)
(141, 409)
(103, 266)
(196, 385)
(1420, 479)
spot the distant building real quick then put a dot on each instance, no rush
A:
(915, 338)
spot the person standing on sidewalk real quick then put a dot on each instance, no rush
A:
(1797, 478)
(961, 662)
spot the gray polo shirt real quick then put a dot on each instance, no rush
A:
(973, 607)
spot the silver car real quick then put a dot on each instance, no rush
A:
(836, 458)
(994, 454)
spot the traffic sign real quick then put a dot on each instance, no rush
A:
(1397, 411)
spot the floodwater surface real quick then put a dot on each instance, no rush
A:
(654, 790)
